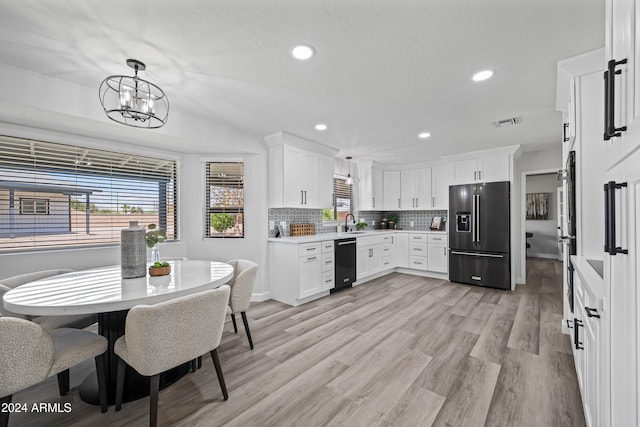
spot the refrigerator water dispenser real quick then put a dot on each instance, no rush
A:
(463, 222)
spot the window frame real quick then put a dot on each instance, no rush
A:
(352, 205)
(208, 210)
(34, 203)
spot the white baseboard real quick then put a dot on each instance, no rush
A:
(260, 297)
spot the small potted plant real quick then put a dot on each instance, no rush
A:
(153, 237)
(361, 225)
(159, 269)
(393, 220)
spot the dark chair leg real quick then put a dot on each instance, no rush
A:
(235, 325)
(101, 370)
(4, 415)
(63, 382)
(246, 328)
(154, 386)
(199, 362)
(193, 365)
(120, 382)
(216, 363)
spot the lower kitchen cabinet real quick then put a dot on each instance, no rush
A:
(368, 260)
(437, 253)
(300, 272)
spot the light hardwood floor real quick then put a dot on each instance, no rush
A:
(398, 351)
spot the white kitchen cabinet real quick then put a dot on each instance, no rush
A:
(299, 178)
(377, 195)
(418, 256)
(368, 260)
(485, 169)
(388, 248)
(441, 178)
(402, 250)
(310, 271)
(370, 187)
(300, 272)
(415, 193)
(437, 250)
(391, 190)
(622, 48)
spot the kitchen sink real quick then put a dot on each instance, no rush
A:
(356, 232)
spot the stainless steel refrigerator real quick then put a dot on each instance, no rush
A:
(480, 234)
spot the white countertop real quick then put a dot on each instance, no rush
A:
(334, 236)
(101, 290)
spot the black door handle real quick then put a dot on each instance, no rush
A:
(610, 218)
(591, 311)
(576, 334)
(611, 130)
(565, 126)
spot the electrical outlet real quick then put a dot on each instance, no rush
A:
(411, 223)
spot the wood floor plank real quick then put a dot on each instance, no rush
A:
(525, 333)
(477, 319)
(468, 401)
(551, 337)
(492, 343)
(415, 408)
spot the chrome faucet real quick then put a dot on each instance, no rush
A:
(346, 227)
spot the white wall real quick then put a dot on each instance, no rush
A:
(544, 242)
(40, 107)
(542, 160)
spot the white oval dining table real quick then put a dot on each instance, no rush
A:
(103, 291)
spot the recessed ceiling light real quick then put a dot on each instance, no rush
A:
(321, 126)
(424, 135)
(482, 75)
(302, 52)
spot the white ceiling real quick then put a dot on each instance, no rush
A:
(384, 70)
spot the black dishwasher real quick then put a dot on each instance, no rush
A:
(345, 262)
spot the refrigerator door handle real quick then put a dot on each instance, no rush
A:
(477, 218)
(473, 220)
(477, 254)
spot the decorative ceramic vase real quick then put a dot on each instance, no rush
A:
(133, 251)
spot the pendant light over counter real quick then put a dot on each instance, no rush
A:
(349, 180)
(132, 101)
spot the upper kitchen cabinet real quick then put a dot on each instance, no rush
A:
(369, 186)
(415, 191)
(621, 79)
(441, 178)
(300, 172)
(391, 190)
(486, 166)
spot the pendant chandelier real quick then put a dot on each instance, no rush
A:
(349, 180)
(133, 101)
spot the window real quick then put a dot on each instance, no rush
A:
(56, 195)
(34, 206)
(224, 199)
(343, 200)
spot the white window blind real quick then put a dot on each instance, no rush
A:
(224, 199)
(57, 195)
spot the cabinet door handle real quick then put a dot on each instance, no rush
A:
(433, 202)
(373, 203)
(302, 197)
(611, 131)
(479, 175)
(610, 218)
(591, 311)
(576, 334)
(398, 203)
(417, 205)
(444, 250)
(475, 175)
(305, 197)
(311, 258)
(565, 126)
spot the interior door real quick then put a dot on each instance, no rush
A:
(560, 219)
(493, 217)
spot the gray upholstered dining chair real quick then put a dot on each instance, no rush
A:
(29, 354)
(79, 321)
(244, 277)
(165, 335)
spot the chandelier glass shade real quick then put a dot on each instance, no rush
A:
(132, 101)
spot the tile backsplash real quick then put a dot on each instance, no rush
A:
(421, 219)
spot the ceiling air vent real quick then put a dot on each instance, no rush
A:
(508, 122)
